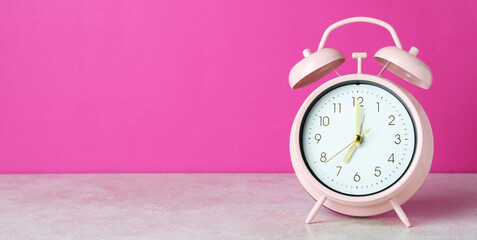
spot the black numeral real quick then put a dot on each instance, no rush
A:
(391, 158)
(337, 107)
(398, 139)
(324, 121)
(377, 172)
(392, 120)
(360, 100)
(356, 177)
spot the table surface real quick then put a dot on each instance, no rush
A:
(216, 206)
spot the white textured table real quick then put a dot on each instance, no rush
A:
(216, 206)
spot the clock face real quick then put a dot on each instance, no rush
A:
(357, 164)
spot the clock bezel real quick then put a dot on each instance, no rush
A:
(322, 94)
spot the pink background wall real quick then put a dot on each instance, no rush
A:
(202, 86)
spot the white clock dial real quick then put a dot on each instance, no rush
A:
(385, 152)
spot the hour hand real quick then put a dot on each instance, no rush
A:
(350, 152)
(356, 143)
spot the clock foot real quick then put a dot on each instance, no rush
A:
(315, 209)
(400, 212)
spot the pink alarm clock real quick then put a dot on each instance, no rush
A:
(361, 145)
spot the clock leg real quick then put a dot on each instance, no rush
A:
(315, 209)
(400, 212)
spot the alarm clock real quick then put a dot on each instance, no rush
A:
(360, 144)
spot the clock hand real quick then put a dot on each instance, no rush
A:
(359, 135)
(358, 138)
(350, 152)
(356, 143)
(339, 151)
(362, 121)
(358, 115)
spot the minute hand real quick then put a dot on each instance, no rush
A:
(358, 115)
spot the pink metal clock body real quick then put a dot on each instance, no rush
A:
(401, 63)
(383, 201)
